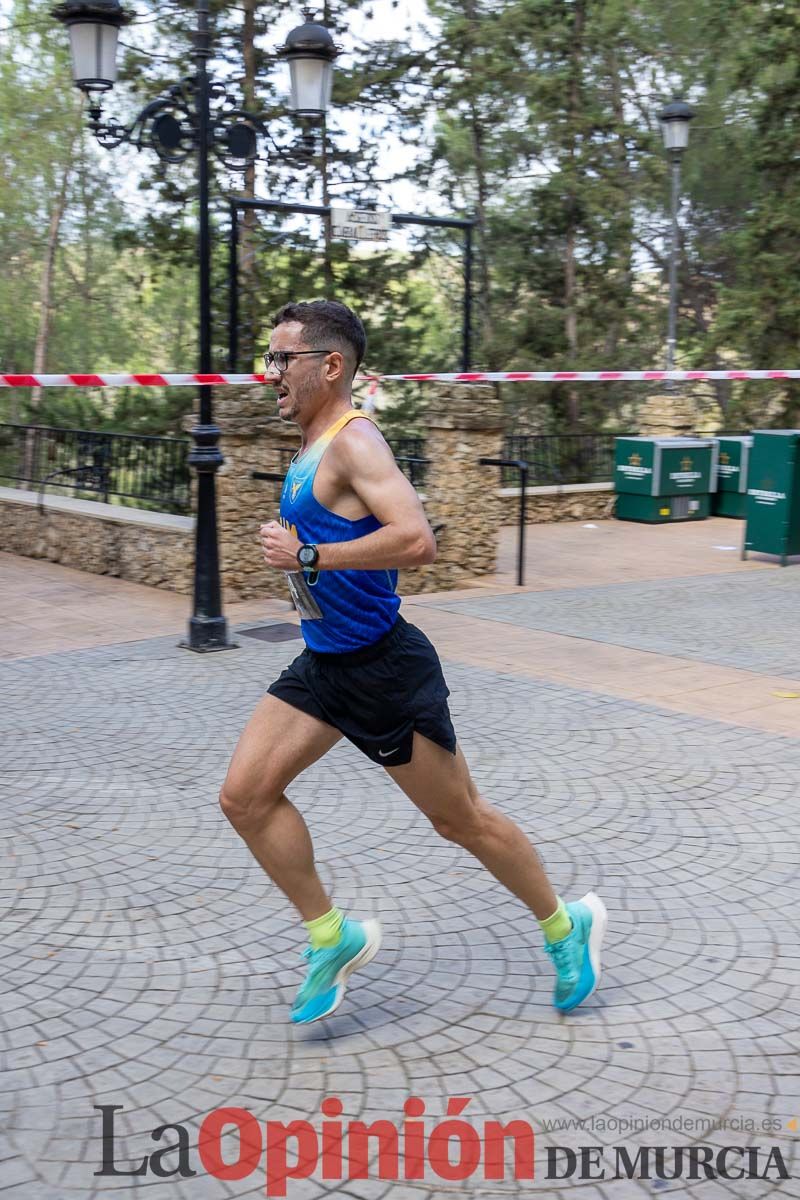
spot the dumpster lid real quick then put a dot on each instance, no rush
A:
(672, 441)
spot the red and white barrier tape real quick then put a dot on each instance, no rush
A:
(171, 380)
(150, 380)
(593, 376)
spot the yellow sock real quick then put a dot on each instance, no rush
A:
(326, 930)
(557, 926)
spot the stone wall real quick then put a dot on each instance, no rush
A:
(151, 548)
(462, 499)
(464, 423)
(572, 502)
(672, 414)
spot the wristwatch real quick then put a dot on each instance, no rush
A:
(308, 556)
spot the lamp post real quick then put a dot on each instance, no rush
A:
(675, 130)
(179, 123)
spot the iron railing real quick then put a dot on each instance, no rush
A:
(152, 472)
(140, 470)
(561, 457)
(410, 457)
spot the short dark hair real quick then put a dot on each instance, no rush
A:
(327, 321)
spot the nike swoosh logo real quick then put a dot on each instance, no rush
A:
(386, 753)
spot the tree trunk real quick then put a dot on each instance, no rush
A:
(484, 305)
(324, 165)
(483, 301)
(248, 262)
(330, 281)
(46, 297)
(625, 253)
(570, 288)
(46, 289)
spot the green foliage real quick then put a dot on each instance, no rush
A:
(39, 118)
(760, 303)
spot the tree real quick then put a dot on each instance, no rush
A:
(760, 302)
(536, 130)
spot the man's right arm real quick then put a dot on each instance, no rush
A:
(363, 463)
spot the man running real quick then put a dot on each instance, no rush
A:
(349, 519)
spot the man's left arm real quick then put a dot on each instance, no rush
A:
(366, 464)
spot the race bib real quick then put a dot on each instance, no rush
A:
(302, 598)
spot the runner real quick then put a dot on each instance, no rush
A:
(349, 519)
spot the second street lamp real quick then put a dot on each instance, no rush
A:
(177, 124)
(674, 120)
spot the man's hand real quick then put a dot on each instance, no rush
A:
(280, 547)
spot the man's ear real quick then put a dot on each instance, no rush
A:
(335, 366)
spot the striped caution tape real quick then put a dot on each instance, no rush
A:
(592, 376)
(153, 379)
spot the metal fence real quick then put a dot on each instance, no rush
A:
(561, 458)
(141, 471)
(152, 472)
(410, 457)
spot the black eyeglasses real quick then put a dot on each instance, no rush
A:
(280, 359)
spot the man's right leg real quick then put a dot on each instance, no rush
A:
(278, 742)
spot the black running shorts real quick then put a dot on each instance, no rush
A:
(377, 696)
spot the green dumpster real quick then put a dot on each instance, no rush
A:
(773, 494)
(664, 479)
(730, 498)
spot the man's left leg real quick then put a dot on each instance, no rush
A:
(440, 785)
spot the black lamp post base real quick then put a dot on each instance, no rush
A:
(208, 634)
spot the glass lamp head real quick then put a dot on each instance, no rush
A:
(94, 27)
(310, 52)
(675, 125)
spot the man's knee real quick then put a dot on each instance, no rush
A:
(246, 807)
(466, 826)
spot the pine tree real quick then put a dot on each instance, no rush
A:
(760, 306)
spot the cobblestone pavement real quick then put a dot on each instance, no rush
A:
(148, 964)
(746, 621)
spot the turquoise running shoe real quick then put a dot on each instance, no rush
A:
(577, 956)
(330, 967)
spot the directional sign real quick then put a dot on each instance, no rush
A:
(360, 224)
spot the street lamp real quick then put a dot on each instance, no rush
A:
(177, 124)
(675, 129)
(310, 52)
(94, 27)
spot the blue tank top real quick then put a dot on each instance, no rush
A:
(357, 607)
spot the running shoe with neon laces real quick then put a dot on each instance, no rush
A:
(330, 967)
(577, 956)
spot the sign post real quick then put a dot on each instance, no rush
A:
(359, 224)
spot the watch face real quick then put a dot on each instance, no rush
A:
(308, 555)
